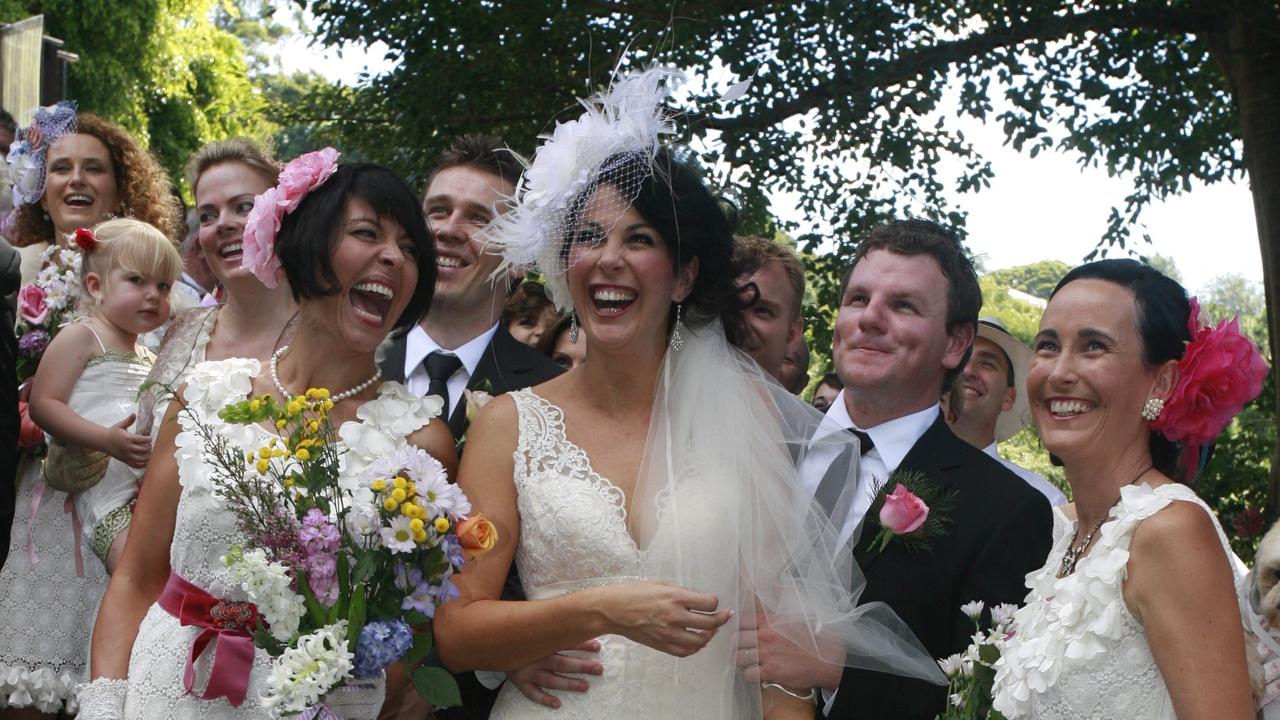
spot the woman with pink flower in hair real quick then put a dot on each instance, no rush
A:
(1135, 613)
(352, 242)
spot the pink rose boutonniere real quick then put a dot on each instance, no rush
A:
(914, 513)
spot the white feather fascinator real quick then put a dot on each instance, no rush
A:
(618, 124)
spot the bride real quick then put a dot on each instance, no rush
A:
(648, 495)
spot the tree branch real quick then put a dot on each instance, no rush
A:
(944, 54)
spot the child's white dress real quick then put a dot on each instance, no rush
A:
(51, 585)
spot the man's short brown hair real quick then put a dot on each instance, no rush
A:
(482, 152)
(752, 252)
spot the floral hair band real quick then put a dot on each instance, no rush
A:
(27, 156)
(299, 177)
(1220, 371)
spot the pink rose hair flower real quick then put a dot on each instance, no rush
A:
(1219, 372)
(299, 177)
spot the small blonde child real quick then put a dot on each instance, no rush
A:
(86, 388)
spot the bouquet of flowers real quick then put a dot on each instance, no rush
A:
(344, 569)
(972, 672)
(43, 306)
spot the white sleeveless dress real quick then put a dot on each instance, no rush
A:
(573, 535)
(204, 530)
(1078, 653)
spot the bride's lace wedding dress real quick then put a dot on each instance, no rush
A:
(573, 535)
(1078, 653)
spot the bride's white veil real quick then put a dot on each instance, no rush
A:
(719, 507)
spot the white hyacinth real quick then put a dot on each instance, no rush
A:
(268, 586)
(303, 674)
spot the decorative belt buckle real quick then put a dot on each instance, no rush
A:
(228, 615)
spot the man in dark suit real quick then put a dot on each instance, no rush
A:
(461, 344)
(906, 324)
(10, 277)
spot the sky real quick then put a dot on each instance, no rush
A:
(1035, 209)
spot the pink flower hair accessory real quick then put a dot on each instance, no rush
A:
(1220, 371)
(299, 177)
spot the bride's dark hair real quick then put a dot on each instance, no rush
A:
(693, 223)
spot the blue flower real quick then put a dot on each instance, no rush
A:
(381, 643)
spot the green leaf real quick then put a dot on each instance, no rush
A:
(315, 610)
(437, 686)
(365, 568)
(421, 647)
(355, 616)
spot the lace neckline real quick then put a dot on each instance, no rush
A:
(574, 453)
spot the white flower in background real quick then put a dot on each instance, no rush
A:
(398, 411)
(972, 609)
(1002, 615)
(363, 524)
(398, 538)
(428, 476)
(957, 699)
(267, 585)
(303, 674)
(950, 665)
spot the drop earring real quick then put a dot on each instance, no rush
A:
(677, 339)
(573, 327)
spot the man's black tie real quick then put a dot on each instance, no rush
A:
(440, 367)
(833, 483)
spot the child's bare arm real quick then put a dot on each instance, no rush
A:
(59, 370)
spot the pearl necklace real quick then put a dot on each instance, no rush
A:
(284, 393)
(1076, 552)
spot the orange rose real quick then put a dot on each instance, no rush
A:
(477, 535)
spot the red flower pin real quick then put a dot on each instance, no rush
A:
(85, 239)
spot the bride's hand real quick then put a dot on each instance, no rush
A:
(672, 619)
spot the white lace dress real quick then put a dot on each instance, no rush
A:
(573, 534)
(1079, 654)
(204, 531)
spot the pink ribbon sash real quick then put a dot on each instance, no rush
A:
(68, 506)
(230, 623)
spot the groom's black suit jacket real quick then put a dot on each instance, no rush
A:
(1000, 530)
(507, 364)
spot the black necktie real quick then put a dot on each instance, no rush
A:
(440, 367)
(833, 483)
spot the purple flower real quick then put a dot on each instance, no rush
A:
(320, 540)
(381, 643)
(279, 537)
(453, 549)
(33, 342)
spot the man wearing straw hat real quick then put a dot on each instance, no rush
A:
(993, 408)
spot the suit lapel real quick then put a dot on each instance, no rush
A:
(392, 363)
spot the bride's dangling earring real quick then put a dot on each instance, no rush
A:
(677, 340)
(573, 327)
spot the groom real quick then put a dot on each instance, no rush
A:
(906, 323)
